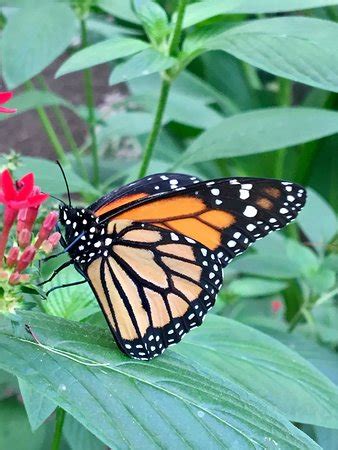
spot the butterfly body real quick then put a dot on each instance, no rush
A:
(153, 251)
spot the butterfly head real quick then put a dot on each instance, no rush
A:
(78, 221)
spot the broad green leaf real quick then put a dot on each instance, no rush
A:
(105, 51)
(26, 101)
(108, 30)
(15, 432)
(199, 11)
(38, 407)
(254, 287)
(265, 367)
(303, 257)
(119, 8)
(322, 281)
(28, 45)
(318, 220)
(186, 404)
(78, 437)
(298, 48)
(143, 63)
(274, 266)
(155, 21)
(49, 178)
(261, 131)
(324, 359)
(70, 303)
(326, 438)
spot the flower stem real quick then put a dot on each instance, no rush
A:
(53, 138)
(66, 131)
(89, 93)
(164, 93)
(60, 418)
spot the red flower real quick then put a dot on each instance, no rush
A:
(4, 97)
(21, 194)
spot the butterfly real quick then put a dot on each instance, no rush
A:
(153, 251)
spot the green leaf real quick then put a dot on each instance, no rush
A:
(262, 365)
(324, 359)
(322, 281)
(70, 303)
(298, 48)
(155, 21)
(38, 407)
(305, 259)
(105, 51)
(118, 8)
(200, 11)
(261, 131)
(187, 405)
(78, 437)
(255, 287)
(274, 266)
(26, 101)
(49, 178)
(143, 63)
(318, 220)
(28, 45)
(15, 431)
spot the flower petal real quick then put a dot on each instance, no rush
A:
(5, 96)
(37, 200)
(26, 184)
(7, 110)
(7, 186)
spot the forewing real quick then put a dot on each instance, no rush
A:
(153, 286)
(142, 189)
(226, 215)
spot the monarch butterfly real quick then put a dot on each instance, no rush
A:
(153, 251)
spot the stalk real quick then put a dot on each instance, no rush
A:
(60, 418)
(89, 94)
(66, 131)
(164, 93)
(49, 129)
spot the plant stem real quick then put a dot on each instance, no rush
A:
(165, 88)
(60, 418)
(66, 131)
(164, 93)
(285, 99)
(89, 94)
(49, 129)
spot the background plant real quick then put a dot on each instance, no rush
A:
(214, 89)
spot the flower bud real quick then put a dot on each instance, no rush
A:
(47, 227)
(26, 258)
(26, 218)
(24, 238)
(14, 278)
(12, 257)
(24, 278)
(9, 217)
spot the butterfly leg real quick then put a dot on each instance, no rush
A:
(56, 271)
(76, 283)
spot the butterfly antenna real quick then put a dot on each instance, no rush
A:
(66, 182)
(56, 198)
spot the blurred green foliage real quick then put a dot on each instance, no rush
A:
(233, 89)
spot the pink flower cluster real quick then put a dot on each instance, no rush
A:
(22, 200)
